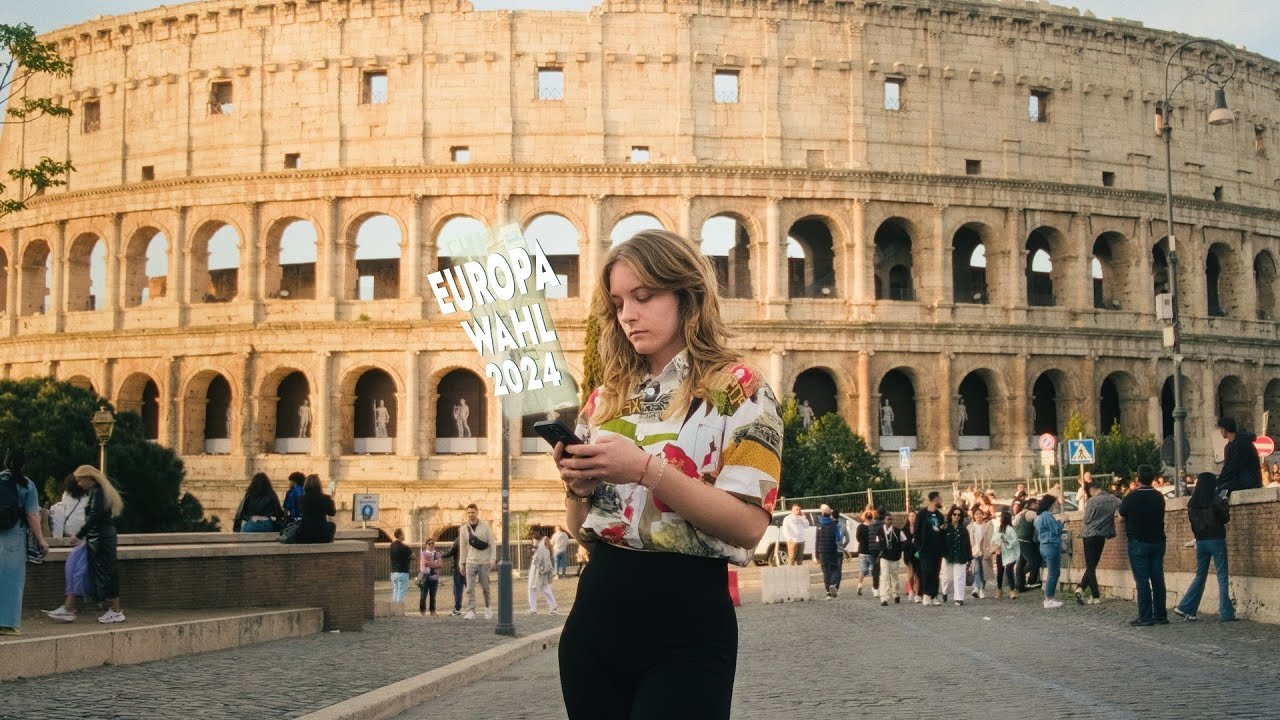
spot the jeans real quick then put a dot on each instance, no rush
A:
(1092, 554)
(399, 586)
(979, 573)
(562, 563)
(459, 584)
(258, 526)
(1217, 550)
(429, 587)
(832, 570)
(869, 565)
(1146, 560)
(1005, 577)
(1052, 555)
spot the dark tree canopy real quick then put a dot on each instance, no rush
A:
(828, 458)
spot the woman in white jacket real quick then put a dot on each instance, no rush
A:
(980, 539)
(1009, 552)
(541, 568)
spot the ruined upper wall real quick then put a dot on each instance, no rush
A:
(811, 84)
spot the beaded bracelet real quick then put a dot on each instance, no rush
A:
(644, 470)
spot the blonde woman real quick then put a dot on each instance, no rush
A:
(99, 535)
(677, 476)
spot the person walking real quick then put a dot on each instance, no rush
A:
(541, 568)
(19, 513)
(828, 552)
(317, 508)
(891, 541)
(66, 516)
(1143, 512)
(1029, 547)
(476, 558)
(1209, 515)
(99, 534)
(429, 564)
(931, 547)
(677, 476)
(869, 550)
(910, 559)
(795, 528)
(1049, 531)
(560, 547)
(459, 577)
(400, 556)
(1008, 550)
(958, 553)
(980, 542)
(1099, 523)
(260, 509)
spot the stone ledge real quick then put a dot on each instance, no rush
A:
(223, 538)
(158, 552)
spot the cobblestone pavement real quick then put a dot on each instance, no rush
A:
(954, 662)
(282, 679)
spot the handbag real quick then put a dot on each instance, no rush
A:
(289, 534)
(476, 542)
(421, 581)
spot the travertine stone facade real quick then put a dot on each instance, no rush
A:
(944, 250)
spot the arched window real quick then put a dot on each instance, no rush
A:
(150, 411)
(1222, 280)
(1040, 268)
(461, 413)
(817, 388)
(218, 417)
(37, 277)
(973, 413)
(375, 272)
(459, 238)
(1160, 267)
(146, 265)
(86, 274)
(893, 259)
(969, 266)
(897, 411)
(630, 225)
(1271, 404)
(1046, 398)
(215, 263)
(295, 414)
(1234, 402)
(374, 422)
(813, 275)
(559, 239)
(290, 263)
(1110, 270)
(727, 245)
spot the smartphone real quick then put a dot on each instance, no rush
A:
(555, 431)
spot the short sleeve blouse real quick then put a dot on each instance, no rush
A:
(730, 437)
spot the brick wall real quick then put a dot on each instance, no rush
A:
(336, 577)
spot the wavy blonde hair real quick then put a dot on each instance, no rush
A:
(115, 503)
(663, 262)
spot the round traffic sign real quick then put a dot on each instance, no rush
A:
(1265, 446)
(1048, 441)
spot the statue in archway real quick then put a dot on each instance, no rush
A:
(886, 419)
(462, 417)
(962, 416)
(381, 418)
(304, 418)
(806, 413)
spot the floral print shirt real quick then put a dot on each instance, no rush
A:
(730, 438)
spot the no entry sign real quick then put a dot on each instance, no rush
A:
(1265, 446)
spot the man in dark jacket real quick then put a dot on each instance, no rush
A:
(828, 543)
(869, 550)
(930, 547)
(1209, 515)
(1143, 512)
(1241, 467)
(1099, 524)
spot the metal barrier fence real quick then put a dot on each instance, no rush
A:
(521, 555)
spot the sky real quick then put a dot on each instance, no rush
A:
(1250, 23)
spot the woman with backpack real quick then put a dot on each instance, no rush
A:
(1209, 515)
(19, 511)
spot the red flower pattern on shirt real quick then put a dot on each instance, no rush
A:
(770, 499)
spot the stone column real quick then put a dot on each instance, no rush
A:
(1021, 420)
(170, 404)
(61, 265)
(776, 360)
(250, 410)
(503, 209)
(1015, 292)
(1089, 386)
(321, 417)
(329, 255)
(775, 262)
(1140, 297)
(177, 275)
(945, 395)
(860, 258)
(1248, 308)
(411, 272)
(589, 264)
(942, 295)
(864, 394)
(115, 271)
(11, 289)
(1080, 267)
(407, 432)
(684, 218)
(1193, 284)
(249, 275)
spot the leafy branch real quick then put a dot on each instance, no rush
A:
(28, 57)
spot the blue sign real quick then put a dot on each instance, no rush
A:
(904, 458)
(1080, 452)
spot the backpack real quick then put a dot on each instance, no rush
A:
(11, 513)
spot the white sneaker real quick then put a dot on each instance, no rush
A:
(488, 614)
(553, 611)
(471, 615)
(875, 593)
(915, 599)
(62, 614)
(1051, 603)
(1094, 601)
(982, 594)
(531, 611)
(111, 616)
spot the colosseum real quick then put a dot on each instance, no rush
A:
(918, 205)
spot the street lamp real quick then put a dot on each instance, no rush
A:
(1218, 74)
(103, 423)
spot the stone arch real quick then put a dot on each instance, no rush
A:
(897, 389)
(1045, 270)
(287, 390)
(978, 394)
(146, 266)
(289, 261)
(1121, 400)
(726, 242)
(361, 391)
(373, 246)
(35, 275)
(82, 382)
(455, 387)
(214, 258)
(1222, 281)
(1111, 268)
(86, 273)
(561, 241)
(140, 394)
(893, 260)
(1264, 284)
(208, 414)
(1160, 278)
(969, 246)
(1233, 401)
(818, 386)
(1050, 403)
(813, 275)
(1271, 404)
(631, 223)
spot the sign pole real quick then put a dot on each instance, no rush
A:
(506, 621)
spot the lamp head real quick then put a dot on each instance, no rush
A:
(1221, 114)
(103, 423)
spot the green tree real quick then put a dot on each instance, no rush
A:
(592, 370)
(28, 58)
(828, 458)
(50, 421)
(1122, 454)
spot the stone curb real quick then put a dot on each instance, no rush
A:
(396, 698)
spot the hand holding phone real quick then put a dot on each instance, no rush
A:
(555, 431)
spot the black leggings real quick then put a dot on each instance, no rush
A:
(649, 633)
(1092, 554)
(930, 566)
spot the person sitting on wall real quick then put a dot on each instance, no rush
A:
(317, 508)
(1241, 468)
(260, 509)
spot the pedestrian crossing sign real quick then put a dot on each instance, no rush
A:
(1080, 452)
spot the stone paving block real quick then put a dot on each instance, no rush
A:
(75, 652)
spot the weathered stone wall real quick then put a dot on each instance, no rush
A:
(808, 144)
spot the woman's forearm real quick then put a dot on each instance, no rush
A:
(575, 514)
(711, 509)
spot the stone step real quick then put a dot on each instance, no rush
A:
(55, 648)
